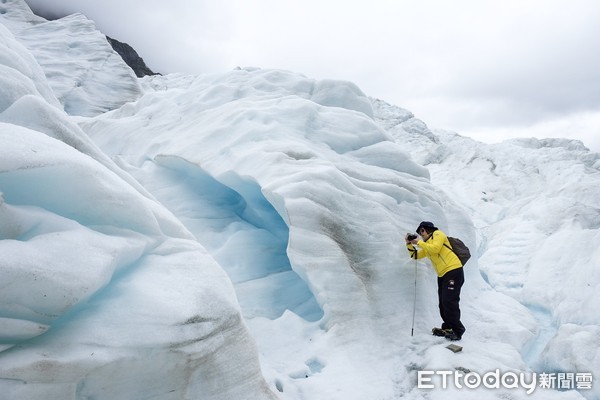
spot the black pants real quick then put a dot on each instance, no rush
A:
(449, 297)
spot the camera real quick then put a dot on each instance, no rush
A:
(411, 236)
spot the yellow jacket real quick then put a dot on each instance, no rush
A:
(442, 258)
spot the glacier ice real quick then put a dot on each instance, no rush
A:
(238, 235)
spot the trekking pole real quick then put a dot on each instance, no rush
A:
(412, 329)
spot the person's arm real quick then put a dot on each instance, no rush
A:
(434, 244)
(414, 253)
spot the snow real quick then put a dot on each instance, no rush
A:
(77, 61)
(239, 235)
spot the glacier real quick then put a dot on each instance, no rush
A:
(239, 235)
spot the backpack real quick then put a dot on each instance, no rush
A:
(459, 248)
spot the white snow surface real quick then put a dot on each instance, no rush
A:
(240, 235)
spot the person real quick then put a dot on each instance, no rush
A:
(434, 244)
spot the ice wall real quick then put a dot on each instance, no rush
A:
(105, 293)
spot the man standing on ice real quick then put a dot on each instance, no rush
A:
(435, 245)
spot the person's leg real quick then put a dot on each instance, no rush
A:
(445, 324)
(450, 300)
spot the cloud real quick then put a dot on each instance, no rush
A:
(583, 126)
(174, 36)
(466, 65)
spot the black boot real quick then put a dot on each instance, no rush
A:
(441, 332)
(451, 335)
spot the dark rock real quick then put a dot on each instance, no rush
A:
(131, 58)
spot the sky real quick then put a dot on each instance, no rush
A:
(489, 70)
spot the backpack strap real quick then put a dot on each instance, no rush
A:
(450, 248)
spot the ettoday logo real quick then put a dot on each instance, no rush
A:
(462, 378)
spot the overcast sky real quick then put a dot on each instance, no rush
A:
(485, 69)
